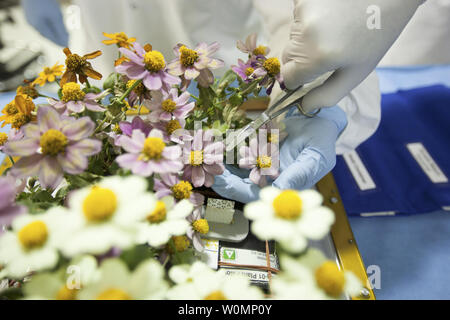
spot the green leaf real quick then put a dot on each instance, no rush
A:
(132, 257)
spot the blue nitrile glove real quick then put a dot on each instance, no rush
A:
(307, 154)
(46, 17)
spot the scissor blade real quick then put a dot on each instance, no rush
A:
(245, 132)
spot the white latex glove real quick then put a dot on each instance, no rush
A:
(333, 35)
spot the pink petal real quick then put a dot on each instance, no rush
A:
(75, 106)
(127, 160)
(86, 147)
(255, 176)
(191, 73)
(50, 173)
(152, 82)
(214, 169)
(27, 166)
(198, 176)
(172, 153)
(25, 147)
(48, 118)
(130, 145)
(72, 162)
(78, 129)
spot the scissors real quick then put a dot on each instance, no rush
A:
(238, 137)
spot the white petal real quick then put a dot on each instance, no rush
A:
(316, 223)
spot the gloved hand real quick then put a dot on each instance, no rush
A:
(330, 35)
(46, 17)
(307, 154)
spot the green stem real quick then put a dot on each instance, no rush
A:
(100, 126)
(196, 98)
(12, 160)
(126, 93)
(88, 85)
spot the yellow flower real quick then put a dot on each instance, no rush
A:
(120, 38)
(49, 74)
(18, 112)
(28, 90)
(78, 65)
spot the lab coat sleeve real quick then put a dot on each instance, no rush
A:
(361, 105)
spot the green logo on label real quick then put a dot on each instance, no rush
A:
(229, 254)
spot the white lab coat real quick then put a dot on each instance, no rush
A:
(164, 23)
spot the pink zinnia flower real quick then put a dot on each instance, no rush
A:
(250, 46)
(172, 185)
(203, 159)
(149, 66)
(195, 64)
(75, 100)
(245, 70)
(56, 144)
(262, 160)
(269, 70)
(8, 208)
(164, 105)
(148, 154)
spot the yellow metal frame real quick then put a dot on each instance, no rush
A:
(342, 235)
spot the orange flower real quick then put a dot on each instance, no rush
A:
(78, 65)
(28, 89)
(120, 38)
(18, 112)
(49, 74)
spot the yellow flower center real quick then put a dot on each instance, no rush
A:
(172, 126)
(71, 92)
(154, 61)
(260, 51)
(100, 204)
(153, 148)
(28, 91)
(182, 190)
(33, 235)
(19, 120)
(181, 243)
(113, 294)
(216, 295)
(66, 294)
(188, 56)
(196, 158)
(139, 89)
(158, 214)
(74, 62)
(288, 205)
(249, 71)
(201, 226)
(330, 278)
(263, 162)
(169, 105)
(272, 66)
(53, 142)
(11, 109)
(3, 138)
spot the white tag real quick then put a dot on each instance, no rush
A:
(210, 254)
(359, 171)
(426, 162)
(247, 257)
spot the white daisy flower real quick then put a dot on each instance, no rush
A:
(289, 217)
(63, 284)
(164, 220)
(32, 244)
(116, 282)
(106, 215)
(313, 277)
(199, 282)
